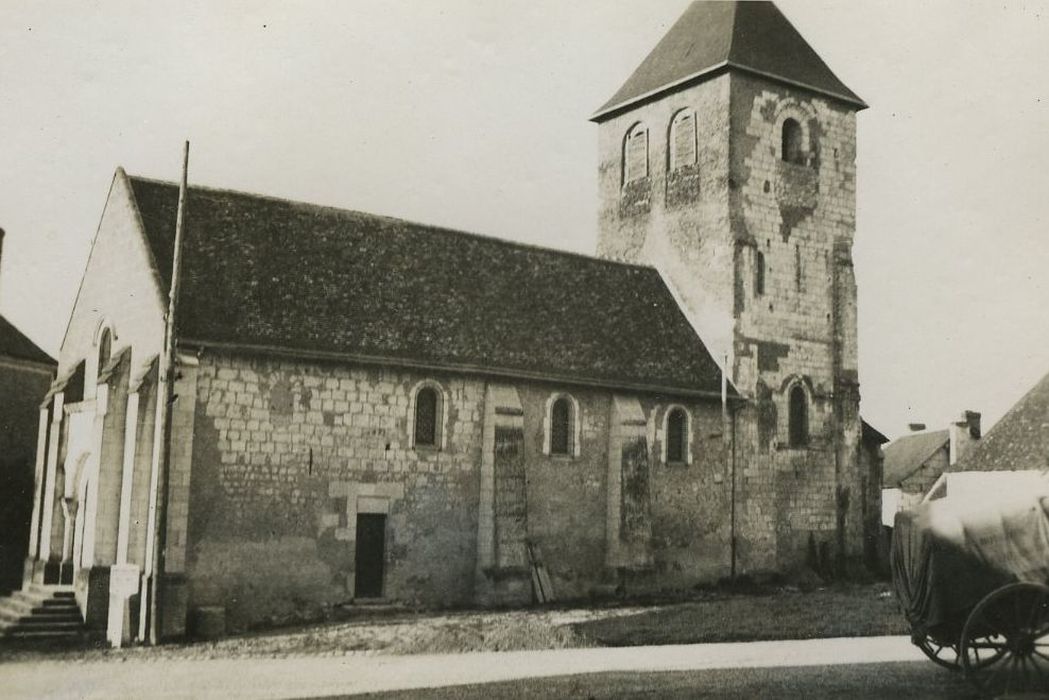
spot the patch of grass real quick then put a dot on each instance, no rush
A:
(848, 611)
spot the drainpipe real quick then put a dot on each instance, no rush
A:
(165, 397)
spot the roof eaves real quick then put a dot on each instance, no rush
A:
(853, 100)
(279, 351)
(608, 111)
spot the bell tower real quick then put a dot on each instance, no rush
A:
(727, 162)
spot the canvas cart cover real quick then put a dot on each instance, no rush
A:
(946, 558)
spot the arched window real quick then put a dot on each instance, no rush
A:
(799, 417)
(561, 427)
(682, 146)
(105, 349)
(677, 436)
(427, 407)
(759, 273)
(793, 150)
(635, 154)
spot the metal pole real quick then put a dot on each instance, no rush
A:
(165, 396)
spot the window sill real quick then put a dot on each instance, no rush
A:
(675, 465)
(427, 449)
(562, 457)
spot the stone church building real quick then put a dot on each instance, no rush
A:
(367, 408)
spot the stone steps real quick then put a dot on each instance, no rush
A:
(41, 614)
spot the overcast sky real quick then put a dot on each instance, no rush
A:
(474, 115)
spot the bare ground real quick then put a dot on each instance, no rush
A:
(708, 616)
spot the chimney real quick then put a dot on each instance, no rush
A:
(963, 433)
(916, 427)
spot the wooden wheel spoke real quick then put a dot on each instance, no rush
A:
(1040, 666)
(1026, 671)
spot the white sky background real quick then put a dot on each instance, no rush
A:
(474, 115)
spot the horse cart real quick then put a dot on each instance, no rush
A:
(973, 582)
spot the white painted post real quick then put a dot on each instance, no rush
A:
(38, 482)
(48, 493)
(127, 477)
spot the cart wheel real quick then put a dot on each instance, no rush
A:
(945, 655)
(1005, 643)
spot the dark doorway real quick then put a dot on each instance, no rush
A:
(371, 550)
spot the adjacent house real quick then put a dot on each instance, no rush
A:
(915, 462)
(26, 372)
(366, 408)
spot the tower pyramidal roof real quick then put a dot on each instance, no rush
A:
(712, 37)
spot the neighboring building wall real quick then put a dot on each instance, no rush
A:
(796, 327)
(916, 486)
(22, 386)
(285, 454)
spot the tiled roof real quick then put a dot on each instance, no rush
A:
(14, 344)
(1019, 440)
(903, 456)
(270, 273)
(753, 37)
(872, 435)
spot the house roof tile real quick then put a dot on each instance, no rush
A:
(14, 344)
(905, 455)
(1019, 440)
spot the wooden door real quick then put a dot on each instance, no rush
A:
(371, 553)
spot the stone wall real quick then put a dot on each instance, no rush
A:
(915, 486)
(681, 233)
(796, 327)
(286, 453)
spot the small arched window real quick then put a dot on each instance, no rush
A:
(759, 273)
(793, 146)
(799, 417)
(635, 154)
(427, 407)
(677, 436)
(105, 349)
(682, 146)
(561, 427)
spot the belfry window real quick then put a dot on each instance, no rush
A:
(799, 417)
(682, 146)
(635, 154)
(427, 405)
(793, 146)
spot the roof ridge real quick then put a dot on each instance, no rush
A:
(396, 219)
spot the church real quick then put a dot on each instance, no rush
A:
(364, 408)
